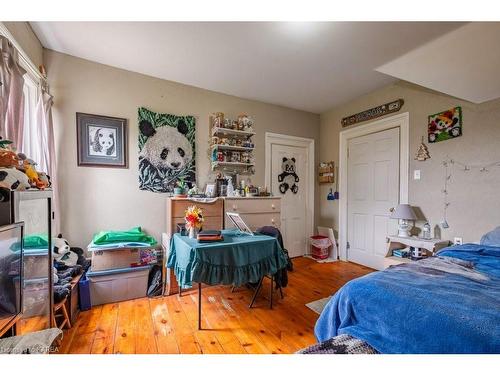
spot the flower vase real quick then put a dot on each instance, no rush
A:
(193, 232)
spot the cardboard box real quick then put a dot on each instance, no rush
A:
(117, 258)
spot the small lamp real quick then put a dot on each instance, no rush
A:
(404, 213)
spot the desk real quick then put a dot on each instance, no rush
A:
(237, 260)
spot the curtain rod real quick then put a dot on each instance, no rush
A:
(23, 56)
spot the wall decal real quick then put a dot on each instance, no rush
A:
(166, 150)
(288, 177)
(373, 113)
(445, 125)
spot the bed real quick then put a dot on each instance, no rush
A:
(449, 303)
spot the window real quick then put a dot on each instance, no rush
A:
(32, 138)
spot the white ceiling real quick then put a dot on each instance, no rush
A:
(464, 63)
(307, 66)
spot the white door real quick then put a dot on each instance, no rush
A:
(372, 190)
(289, 174)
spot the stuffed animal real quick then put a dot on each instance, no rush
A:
(13, 179)
(9, 159)
(63, 253)
(28, 167)
(288, 177)
(69, 256)
(45, 179)
(55, 278)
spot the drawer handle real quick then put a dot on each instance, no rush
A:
(235, 207)
(272, 221)
(273, 206)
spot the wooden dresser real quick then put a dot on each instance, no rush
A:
(213, 213)
(256, 211)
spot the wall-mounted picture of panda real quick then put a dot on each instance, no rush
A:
(166, 151)
(101, 141)
(445, 125)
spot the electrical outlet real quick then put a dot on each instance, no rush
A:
(457, 240)
(416, 174)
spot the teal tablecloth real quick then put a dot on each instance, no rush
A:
(239, 259)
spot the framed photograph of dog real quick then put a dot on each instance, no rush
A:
(101, 141)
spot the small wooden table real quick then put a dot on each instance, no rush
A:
(397, 242)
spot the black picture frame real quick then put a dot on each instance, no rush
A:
(101, 141)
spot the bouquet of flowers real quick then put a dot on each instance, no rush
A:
(193, 217)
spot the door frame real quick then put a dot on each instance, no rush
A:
(401, 121)
(290, 140)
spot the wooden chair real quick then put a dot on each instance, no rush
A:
(65, 322)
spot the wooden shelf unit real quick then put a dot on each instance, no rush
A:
(231, 149)
(326, 175)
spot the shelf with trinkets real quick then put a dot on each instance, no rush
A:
(231, 143)
(233, 132)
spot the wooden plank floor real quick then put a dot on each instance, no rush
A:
(169, 324)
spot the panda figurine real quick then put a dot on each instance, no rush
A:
(288, 178)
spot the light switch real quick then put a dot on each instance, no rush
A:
(416, 174)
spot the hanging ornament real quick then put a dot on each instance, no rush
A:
(422, 152)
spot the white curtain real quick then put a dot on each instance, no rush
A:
(44, 128)
(12, 97)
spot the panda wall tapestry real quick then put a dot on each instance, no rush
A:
(166, 150)
(445, 125)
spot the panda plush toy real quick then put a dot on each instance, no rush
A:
(13, 179)
(69, 256)
(288, 178)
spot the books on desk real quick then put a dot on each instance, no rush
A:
(401, 253)
(210, 236)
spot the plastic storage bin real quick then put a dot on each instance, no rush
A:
(320, 247)
(118, 285)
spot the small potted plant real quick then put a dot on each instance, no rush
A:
(181, 187)
(194, 220)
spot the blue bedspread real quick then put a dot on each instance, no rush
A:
(451, 304)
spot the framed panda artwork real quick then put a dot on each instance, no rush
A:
(101, 141)
(167, 151)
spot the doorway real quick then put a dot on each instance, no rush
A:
(373, 167)
(290, 175)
